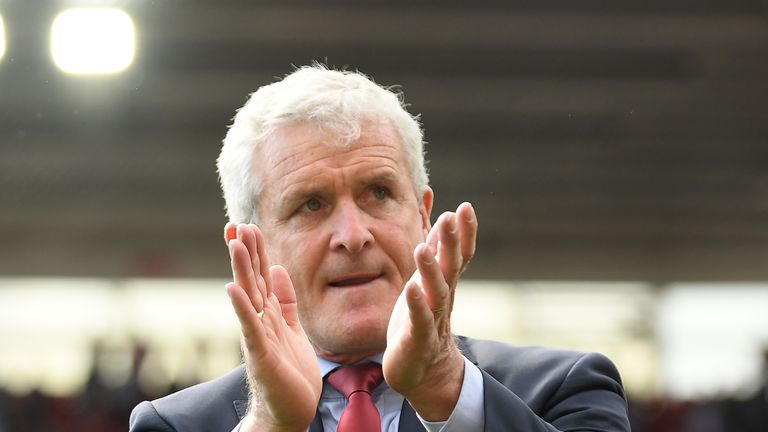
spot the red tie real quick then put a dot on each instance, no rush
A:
(355, 383)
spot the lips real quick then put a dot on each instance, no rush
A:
(353, 280)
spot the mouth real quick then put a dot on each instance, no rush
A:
(354, 280)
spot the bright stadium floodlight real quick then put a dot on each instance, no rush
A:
(92, 40)
(2, 38)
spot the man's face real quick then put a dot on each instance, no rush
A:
(344, 222)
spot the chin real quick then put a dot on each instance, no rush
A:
(352, 337)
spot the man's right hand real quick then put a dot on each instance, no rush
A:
(282, 368)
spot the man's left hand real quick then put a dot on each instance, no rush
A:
(422, 361)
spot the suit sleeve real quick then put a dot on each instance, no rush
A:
(145, 418)
(589, 397)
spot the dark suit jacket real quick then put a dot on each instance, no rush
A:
(526, 389)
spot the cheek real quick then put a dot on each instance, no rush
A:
(401, 252)
(302, 261)
(278, 250)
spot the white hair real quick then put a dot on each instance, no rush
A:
(335, 101)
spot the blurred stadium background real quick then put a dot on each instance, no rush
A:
(616, 154)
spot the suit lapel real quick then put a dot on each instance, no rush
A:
(461, 342)
(241, 408)
(317, 424)
(408, 420)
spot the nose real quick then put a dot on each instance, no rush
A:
(351, 230)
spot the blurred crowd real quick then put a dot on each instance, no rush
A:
(101, 407)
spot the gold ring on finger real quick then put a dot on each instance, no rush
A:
(438, 311)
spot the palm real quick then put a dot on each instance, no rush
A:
(405, 355)
(282, 369)
(422, 361)
(281, 364)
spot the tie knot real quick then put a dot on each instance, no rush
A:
(361, 377)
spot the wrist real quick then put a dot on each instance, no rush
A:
(252, 423)
(259, 421)
(437, 396)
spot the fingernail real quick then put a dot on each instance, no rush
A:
(417, 293)
(427, 256)
(470, 218)
(231, 233)
(452, 226)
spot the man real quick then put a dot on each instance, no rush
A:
(323, 174)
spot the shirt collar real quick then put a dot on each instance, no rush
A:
(326, 366)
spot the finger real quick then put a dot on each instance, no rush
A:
(467, 224)
(449, 254)
(432, 281)
(273, 317)
(433, 237)
(230, 232)
(242, 271)
(285, 293)
(263, 257)
(249, 234)
(419, 312)
(250, 324)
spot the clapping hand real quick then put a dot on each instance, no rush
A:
(422, 361)
(281, 365)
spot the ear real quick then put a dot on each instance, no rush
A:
(425, 209)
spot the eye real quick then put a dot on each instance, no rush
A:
(313, 204)
(380, 192)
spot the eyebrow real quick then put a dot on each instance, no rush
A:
(380, 175)
(300, 192)
(312, 188)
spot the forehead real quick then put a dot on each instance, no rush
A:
(305, 148)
